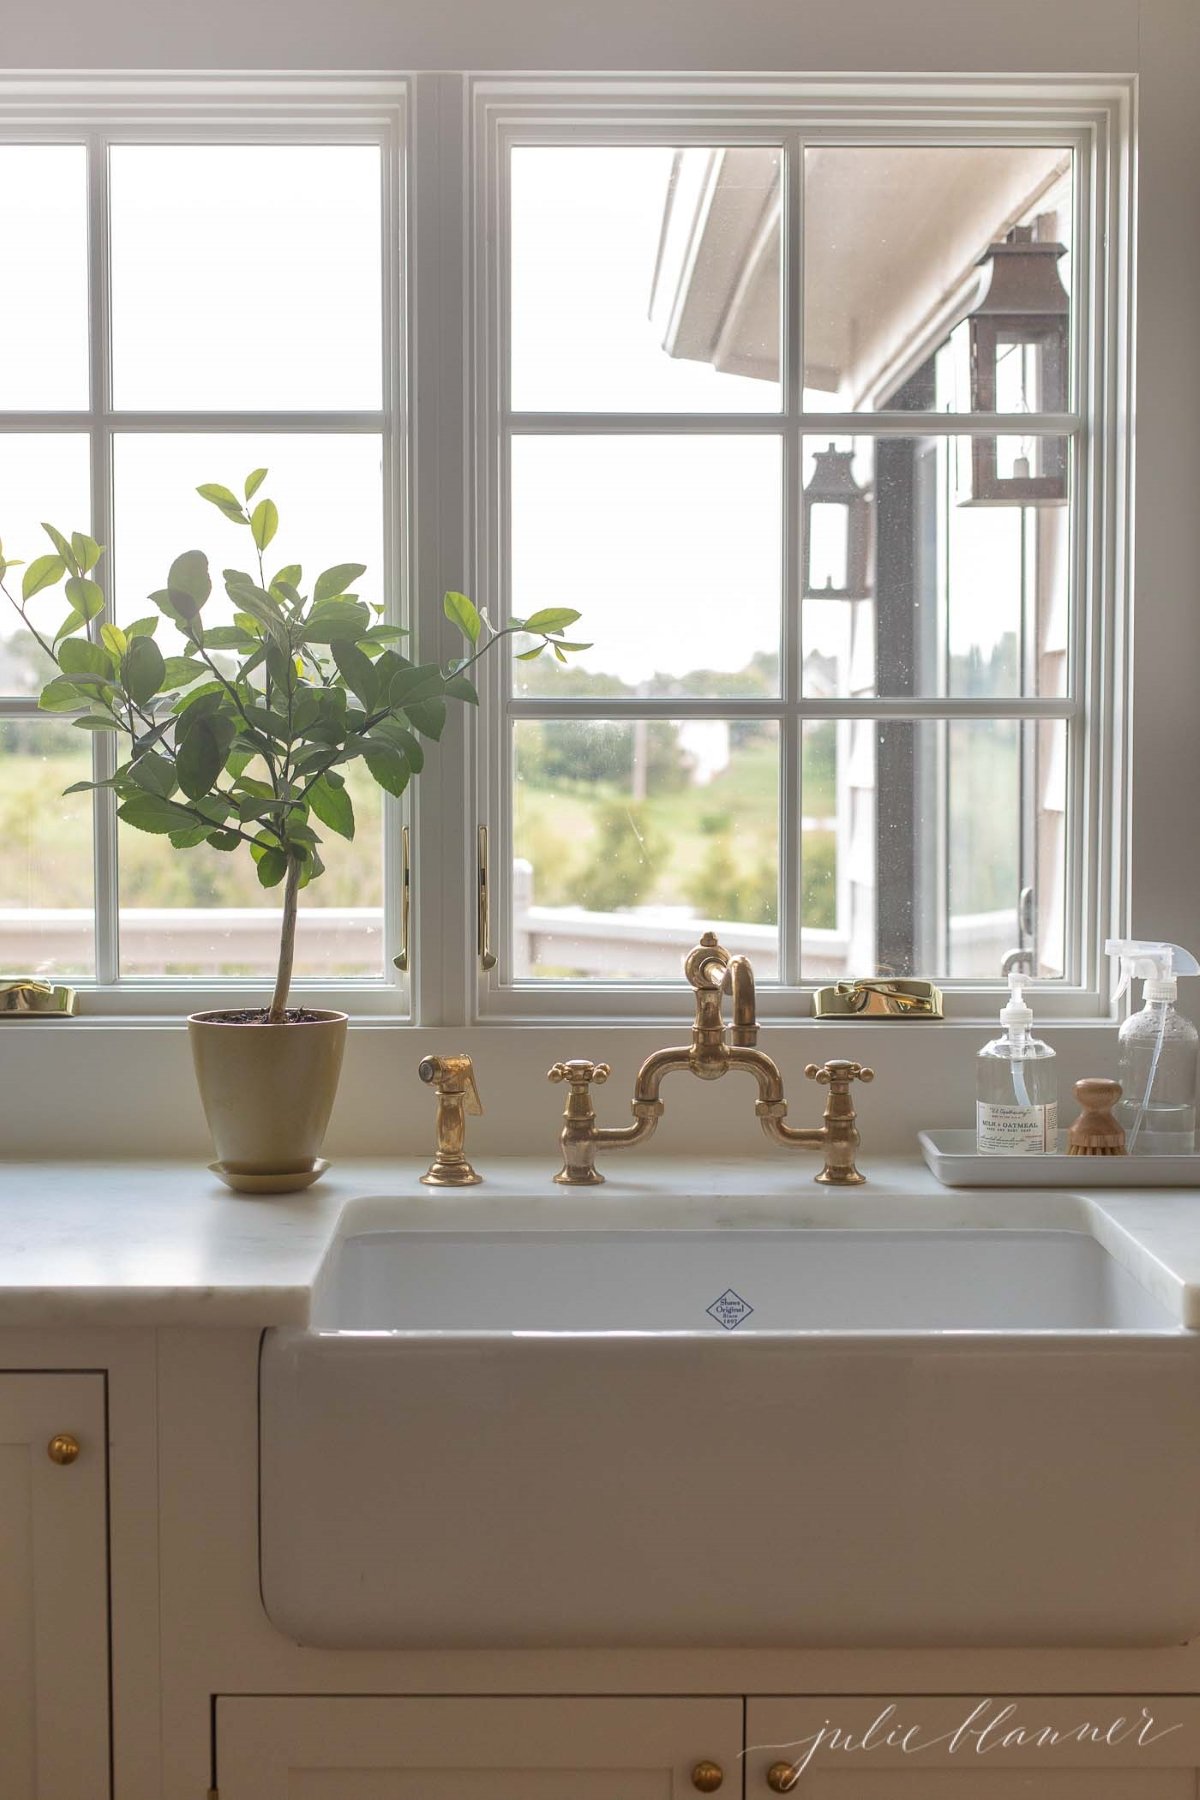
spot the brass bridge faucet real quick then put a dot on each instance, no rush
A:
(712, 1052)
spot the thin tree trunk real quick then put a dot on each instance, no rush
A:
(287, 944)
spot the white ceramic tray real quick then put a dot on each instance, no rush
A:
(955, 1161)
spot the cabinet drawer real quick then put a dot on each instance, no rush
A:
(489, 1749)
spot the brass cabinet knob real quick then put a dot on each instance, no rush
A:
(781, 1778)
(62, 1448)
(707, 1777)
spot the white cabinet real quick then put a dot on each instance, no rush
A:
(53, 1590)
(484, 1749)
(937, 1747)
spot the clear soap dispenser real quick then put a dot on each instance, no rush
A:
(1016, 1110)
(1157, 1051)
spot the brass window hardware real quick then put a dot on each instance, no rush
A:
(879, 997)
(62, 1448)
(28, 997)
(487, 957)
(707, 1777)
(401, 962)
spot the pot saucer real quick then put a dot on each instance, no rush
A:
(268, 1183)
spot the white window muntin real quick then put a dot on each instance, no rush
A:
(1090, 119)
(99, 115)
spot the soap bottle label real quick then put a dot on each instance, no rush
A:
(1015, 1130)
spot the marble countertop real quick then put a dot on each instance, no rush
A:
(164, 1243)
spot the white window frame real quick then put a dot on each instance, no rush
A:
(99, 112)
(1091, 116)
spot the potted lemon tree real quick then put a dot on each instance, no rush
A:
(241, 742)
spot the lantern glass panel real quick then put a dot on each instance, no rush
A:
(893, 237)
(964, 601)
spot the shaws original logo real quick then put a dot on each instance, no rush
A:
(729, 1309)
(991, 1727)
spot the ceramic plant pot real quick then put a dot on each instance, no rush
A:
(267, 1092)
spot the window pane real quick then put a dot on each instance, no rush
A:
(669, 547)
(645, 280)
(632, 837)
(202, 912)
(246, 276)
(41, 477)
(46, 869)
(328, 489)
(950, 572)
(43, 296)
(934, 848)
(896, 256)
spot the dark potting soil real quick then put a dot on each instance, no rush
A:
(257, 1015)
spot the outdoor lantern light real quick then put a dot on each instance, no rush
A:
(1018, 351)
(837, 530)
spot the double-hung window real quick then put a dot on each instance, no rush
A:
(804, 398)
(193, 289)
(808, 395)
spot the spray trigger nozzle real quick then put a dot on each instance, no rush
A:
(1157, 964)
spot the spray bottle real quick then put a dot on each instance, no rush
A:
(1157, 1051)
(1016, 1111)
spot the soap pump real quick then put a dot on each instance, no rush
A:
(1016, 1111)
(1157, 1050)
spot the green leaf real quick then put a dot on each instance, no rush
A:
(95, 722)
(264, 523)
(551, 618)
(221, 498)
(154, 774)
(200, 758)
(530, 655)
(139, 628)
(357, 671)
(224, 840)
(335, 581)
(143, 670)
(87, 550)
(332, 806)
(424, 682)
(189, 583)
(387, 766)
(181, 671)
(229, 637)
(465, 614)
(62, 546)
(79, 656)
(272, 867)
(290, 575)
(429, 716)
(383, 634)
(61, 695)
(459, 687)
(254, 481)
(114, 640)
(189, 837)
(150, 812)
(85, 595)
(390, 731)
(254, 600)
(43, 572)
(336, 621)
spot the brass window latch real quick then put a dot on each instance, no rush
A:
(453, 1078)
(483, 918)
(401, 961)
(879, 997)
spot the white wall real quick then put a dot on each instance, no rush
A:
(67, 1088)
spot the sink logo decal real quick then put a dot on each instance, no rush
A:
(729, 1310)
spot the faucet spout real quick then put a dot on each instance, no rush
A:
(712, 1053)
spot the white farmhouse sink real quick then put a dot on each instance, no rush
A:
(813, 1435)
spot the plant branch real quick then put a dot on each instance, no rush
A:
(277, 1012)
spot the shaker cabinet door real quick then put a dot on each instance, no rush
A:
(935, 1747)
(53, 1588)
(488, 1749)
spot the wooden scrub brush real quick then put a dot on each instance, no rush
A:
(1096, 1132)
